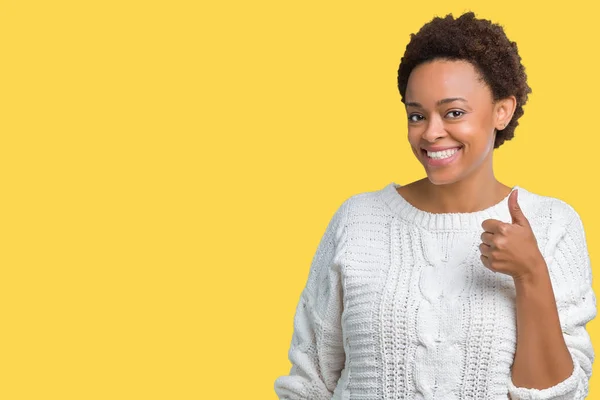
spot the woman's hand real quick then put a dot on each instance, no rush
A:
(511, 248)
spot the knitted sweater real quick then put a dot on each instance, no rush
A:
(398, 305)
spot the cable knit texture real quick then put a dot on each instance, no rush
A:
(398, 305)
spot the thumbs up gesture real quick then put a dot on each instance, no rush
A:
(511, 248)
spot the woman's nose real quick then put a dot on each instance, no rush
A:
(434, 129)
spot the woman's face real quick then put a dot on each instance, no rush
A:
(450, 107)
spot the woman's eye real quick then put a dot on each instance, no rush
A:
(455, 113)
(414, 118)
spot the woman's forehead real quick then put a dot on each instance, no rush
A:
(437, 80)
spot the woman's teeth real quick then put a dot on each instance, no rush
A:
(442, 154)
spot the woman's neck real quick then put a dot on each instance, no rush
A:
(458, 197)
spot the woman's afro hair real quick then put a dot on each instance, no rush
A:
(480, 42)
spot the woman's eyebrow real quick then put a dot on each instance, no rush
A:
(439, 102)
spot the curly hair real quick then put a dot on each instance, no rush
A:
(479, 42)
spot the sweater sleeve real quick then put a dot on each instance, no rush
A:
(569, 263)
(316, 351)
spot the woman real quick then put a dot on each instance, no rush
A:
(455, 286)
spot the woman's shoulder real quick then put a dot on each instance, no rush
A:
(546, 208)
(368, 206)
(370, 199)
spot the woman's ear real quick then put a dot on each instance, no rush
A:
(503, 112)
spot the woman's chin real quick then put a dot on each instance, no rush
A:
(440, 178)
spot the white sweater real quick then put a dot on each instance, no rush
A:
(398, 305)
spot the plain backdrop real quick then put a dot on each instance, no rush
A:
(167, 169)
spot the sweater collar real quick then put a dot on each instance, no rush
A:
(446, 221)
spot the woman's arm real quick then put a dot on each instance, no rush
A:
(316, 351)
(554, 353)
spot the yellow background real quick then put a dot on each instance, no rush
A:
(168, 168)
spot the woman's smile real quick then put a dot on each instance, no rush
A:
(442, 158)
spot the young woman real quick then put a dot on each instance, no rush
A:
(455, 286)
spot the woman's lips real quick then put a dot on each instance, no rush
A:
(435, 162)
